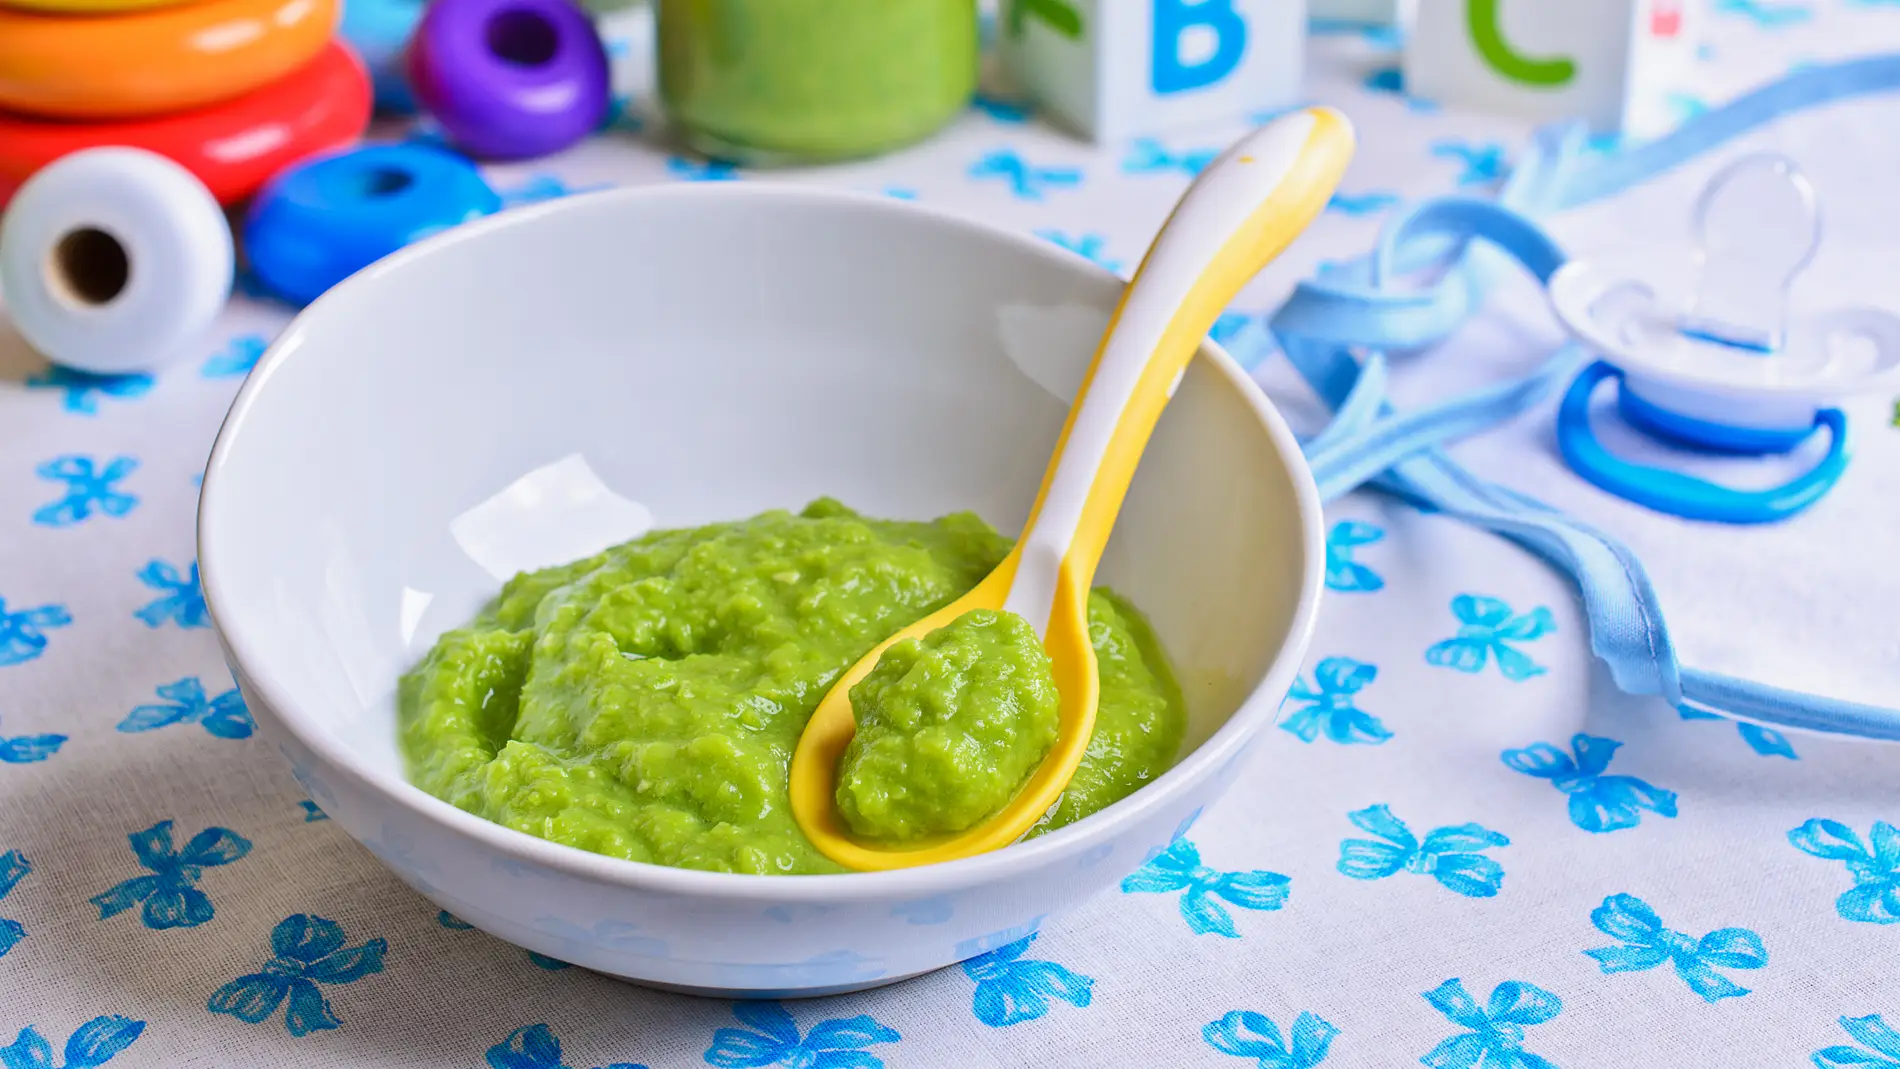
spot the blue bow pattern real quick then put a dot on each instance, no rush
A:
(1011, 112)
(307, 951)
(1342, 572)
(92, 1044)
(1246, 1034)
(1451, 855)
(1875, 866)
(1647, 944)
(1765, 741)
(1361, 204)
(1026, 181)
(1092, 246)
(544, 187)
(1149, 156)
(1332, 707)
(771, 1038)
(1488, 630)
(90, 489)
(1483, 163)
(311, 814)
(692, 170)
(1392, 80)
(1495, 1034)
(82, 390)
(1879, 1046)
(13, 869)
(237, 358)
(169, 895)
(1179, 868)
(535, 1047)
(29, 749)
(224, 716)
(23, 633)
(1010, 990)
(1598, 803)
(180, 600)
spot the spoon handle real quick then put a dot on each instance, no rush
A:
(1242, 211)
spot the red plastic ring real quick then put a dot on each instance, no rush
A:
(232, 147)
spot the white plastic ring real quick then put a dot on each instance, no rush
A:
(113, 259)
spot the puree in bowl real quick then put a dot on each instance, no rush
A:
(644, 703)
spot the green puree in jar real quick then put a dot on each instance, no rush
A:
(644, 703)
(768, 81)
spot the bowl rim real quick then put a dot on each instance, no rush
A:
(305, 724)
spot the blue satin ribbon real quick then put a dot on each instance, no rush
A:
(1335, 330)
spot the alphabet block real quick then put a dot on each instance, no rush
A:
(1610, 62)
(1110, 69)
(1371, 12)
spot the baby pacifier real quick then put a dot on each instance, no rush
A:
(1728, 369)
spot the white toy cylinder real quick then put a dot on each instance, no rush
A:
(113, 259)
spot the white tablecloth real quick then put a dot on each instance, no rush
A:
(1462, 846)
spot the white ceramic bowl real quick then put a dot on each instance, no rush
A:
(533, 387)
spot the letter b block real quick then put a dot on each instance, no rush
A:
(1609, 62)
(1110, 69)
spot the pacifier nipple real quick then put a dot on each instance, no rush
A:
(1757, 226)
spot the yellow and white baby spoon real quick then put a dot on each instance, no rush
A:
(1242, 211)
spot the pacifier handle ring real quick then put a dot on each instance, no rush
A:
(1682, 495)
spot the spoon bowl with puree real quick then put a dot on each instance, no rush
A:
(956, 735)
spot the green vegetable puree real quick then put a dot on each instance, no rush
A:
(769, 81)
(948, 728)
(644, 703)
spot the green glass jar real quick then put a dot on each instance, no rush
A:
(770, 82)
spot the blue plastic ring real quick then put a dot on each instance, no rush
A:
(1685, 495)
(329, 217)
(1659, 422)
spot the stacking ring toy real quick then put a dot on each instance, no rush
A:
(89, 7)
(112, 259)
(379, 30)
(316, 224)
(153, 62)
(510, 79)
(233, 147)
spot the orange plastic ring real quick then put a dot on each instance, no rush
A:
(232, 147)
(89, 7)
(153, 62)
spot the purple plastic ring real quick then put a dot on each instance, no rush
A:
(510, 79)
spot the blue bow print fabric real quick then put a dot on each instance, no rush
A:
(1874, 865)
(1480, 830)
(1648, 945)
(1454, 856)
(306, 952)
(1597, 802)
(168, 895)
(1496, 1033)
(1329, 706)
